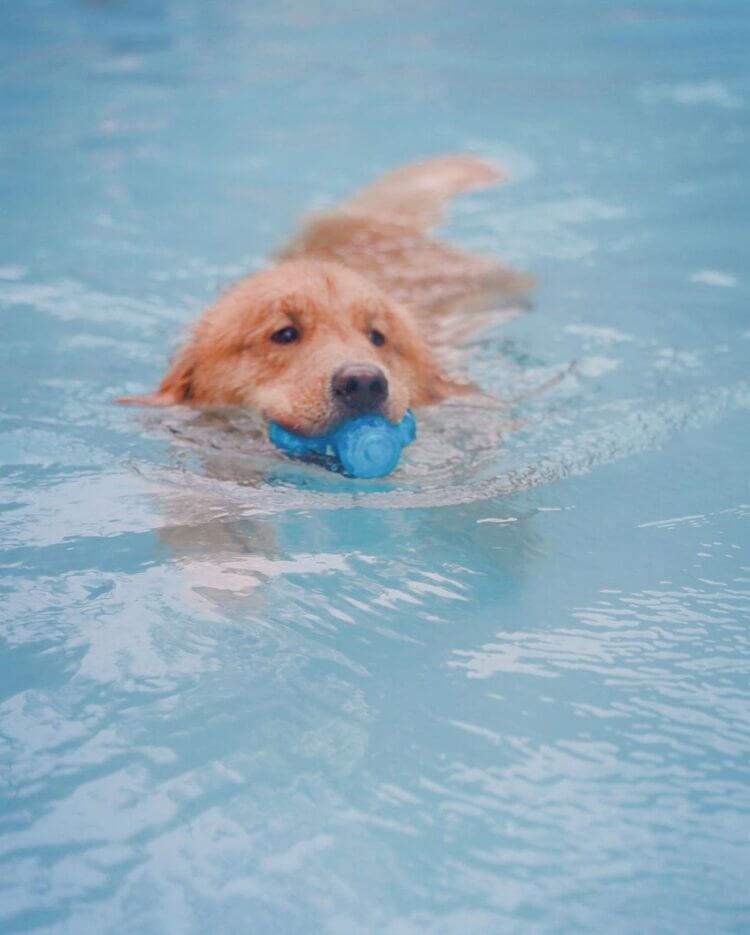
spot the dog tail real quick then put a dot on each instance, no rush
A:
(416, 194)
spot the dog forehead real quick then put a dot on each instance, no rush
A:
(317, 297)
(333, 301)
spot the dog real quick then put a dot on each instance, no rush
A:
(343, 323)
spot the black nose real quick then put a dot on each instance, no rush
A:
(360, 387)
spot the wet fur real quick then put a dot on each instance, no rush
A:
(369, 264)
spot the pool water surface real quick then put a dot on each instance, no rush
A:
(505, 689)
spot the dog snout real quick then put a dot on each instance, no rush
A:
(360, 387)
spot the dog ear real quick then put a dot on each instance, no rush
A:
(156, 398)
(176, 385)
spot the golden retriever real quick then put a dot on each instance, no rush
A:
(341, 325)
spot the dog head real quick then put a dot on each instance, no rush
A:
(307, 344)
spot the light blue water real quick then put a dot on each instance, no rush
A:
(506, 690)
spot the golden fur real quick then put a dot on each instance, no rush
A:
(365, 267)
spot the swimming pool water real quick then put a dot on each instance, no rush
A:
(507, 688)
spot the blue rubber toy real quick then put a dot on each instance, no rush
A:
(368, 446)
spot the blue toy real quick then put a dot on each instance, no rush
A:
(368, 446)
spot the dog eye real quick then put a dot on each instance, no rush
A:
(285, 335)
(377, 338)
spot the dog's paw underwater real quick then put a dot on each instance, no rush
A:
(366, 447)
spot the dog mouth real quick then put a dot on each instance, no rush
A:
(353, 390)
(332, 419)
(342, 411)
